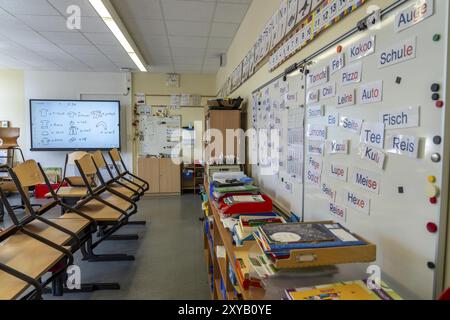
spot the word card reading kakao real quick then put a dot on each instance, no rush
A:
(361, 49)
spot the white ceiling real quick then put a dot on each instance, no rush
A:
(180, 36)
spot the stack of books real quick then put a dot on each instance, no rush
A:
(237, 190)
(352, 290)
(277, 240)
(248, 224)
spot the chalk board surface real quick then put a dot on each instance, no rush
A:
(74, 125)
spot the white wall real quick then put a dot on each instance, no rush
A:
(75, 85)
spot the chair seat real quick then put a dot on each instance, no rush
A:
(28, 256)
(115, 200)
(70, 221)
(100, 212)
(121, 189)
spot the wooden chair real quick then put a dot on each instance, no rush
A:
(25, 257)
(111, 209)
(9, 137)
(72, 181)
(133, 181)
(113, 181)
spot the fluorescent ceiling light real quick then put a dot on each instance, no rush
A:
(104, 13)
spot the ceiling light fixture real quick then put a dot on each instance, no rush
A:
(113, 25)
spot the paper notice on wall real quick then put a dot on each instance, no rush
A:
(140, 99)
(175, 101)
(185, 100)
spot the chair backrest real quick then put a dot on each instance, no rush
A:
(10, 135)
(28, 174)
(77, 155)
(99, 160)
(86, 165)
(115, 155)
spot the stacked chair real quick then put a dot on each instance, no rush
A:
(39, 246)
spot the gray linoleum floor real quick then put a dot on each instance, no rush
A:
(169, 255)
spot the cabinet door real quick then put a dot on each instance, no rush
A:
(170, 176)
(148, 169)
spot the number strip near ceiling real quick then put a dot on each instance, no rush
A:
(295, 24)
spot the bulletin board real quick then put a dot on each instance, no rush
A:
(158, 135)
(278, 117)
(375, 142)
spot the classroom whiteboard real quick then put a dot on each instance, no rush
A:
(278, 110)
(74, 125)
(385, 184)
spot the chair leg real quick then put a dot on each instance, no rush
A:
(89, 255)
(137, 223)
(102, 232)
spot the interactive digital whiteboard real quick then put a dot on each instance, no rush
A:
(66, 125)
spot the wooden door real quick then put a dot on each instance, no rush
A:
(170, 176)
(148, 169)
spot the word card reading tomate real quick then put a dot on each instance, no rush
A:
(372, 134)
(398, 53)
(317, 77)
(351, 74)
(338, 211)
(403, 145)
(371, 92)
(413, 14)
(362, 49)
(357, 202)
(401, 118)
(373, 155)
(366, 180)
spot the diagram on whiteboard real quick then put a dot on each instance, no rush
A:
(75, 124)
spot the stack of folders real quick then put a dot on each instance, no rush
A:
(245, 189)
(243, 230)
(352, 290)
(278, 240)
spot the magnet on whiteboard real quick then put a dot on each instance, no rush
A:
(436, 37)
(431, 265)
(398, 80)
(435, 87)
(439, 104)
(432, 191)
(436, 158)
(401, 190)
(435, 97)
(437, 140)
(339, 49)
(432, 227)
(433, 200)
(431, 179)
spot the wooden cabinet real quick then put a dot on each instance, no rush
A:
(163, 175)
(221, 121)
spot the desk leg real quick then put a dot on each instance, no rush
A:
(2, 212)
